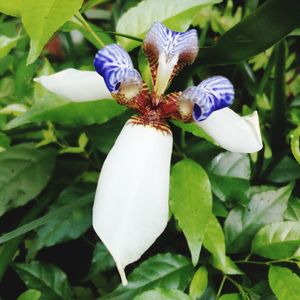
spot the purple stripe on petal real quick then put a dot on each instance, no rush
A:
(114, 64)
(210, 95)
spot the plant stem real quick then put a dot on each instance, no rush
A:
(89, 29)
(221, 287)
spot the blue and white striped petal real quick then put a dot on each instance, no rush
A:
(210, 95)
(168, 51)
(114, 64)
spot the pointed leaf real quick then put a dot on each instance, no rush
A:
(191, 202)
(30, 295)
(199, 283)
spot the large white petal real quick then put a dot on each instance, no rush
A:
(131, 203)
(232, 132)
(76, 85)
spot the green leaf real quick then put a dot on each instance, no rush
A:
(69, 227)
(293, 210)
(102, 261)
(229, 174)
(30, 295)
(4, 141)
(191, 202)
(25, 171)
(265, 207)
(214, 240)
(229, 268)
(254, 34)
(160, 271)
(278, 240)
(48, 279)
(175, 14)
(56, 109)
(230, 297)
(199, 283)
(11, 7)
(42, 19)
(163, 294)
(284, 283)
(7, 44)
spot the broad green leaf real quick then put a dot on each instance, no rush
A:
(229, 174)
(229, 268)
(51, 281)
(265, 207)
(284, 283)
(25, 171)
(11, 7)
(42, 19)
(7, 44)
(102, 261)
(175, 14)
(56, 109)
(30, 295)
(4, 141)
(163, 294)
(68, 227)
(167, 271)
(293, 210)
(199, 283)
(278, 240)
(230, 297)
(254, 34)
(214, 240)
(191, 202)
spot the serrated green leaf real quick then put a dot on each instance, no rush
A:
(42, 19)
(278, 240)
(229, 174)
(160, 271)
(265, 207)
(163, 294)
(175, 14)
(25, 171)
(69, 227)
(191, 202)
(199, 283)
(56, 109)
(30, 295)
(48, 279)
(284, 283)
(11, 7)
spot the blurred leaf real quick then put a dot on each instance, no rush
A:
(278, 112)
(293, 210)
(229, 174)
(42, 18)
(4, 141)
(191, 202)
(168, 271)
(11, 7)
(82, 293)
(69, 227)
(56, 109)
(102, 261)
(163, 294)
(230, 297)
(175, 14)
(199, 283)
(48, 279)
(278, 240)
(286, 170)
(254, 34)
(30, 295)
(7, 44)
(25, 171)
(295, 143)
(242, 223)
(214, 240)
(284, 283)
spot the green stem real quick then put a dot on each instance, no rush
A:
(221, 287)
(266, 263)
(89, 29)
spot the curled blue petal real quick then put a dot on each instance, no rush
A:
(114, 64)
(168, 51)
(210, 95)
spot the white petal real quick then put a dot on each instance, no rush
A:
(232, 132)
(76, 85)
(131, 203)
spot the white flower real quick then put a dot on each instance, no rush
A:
(131, 203)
